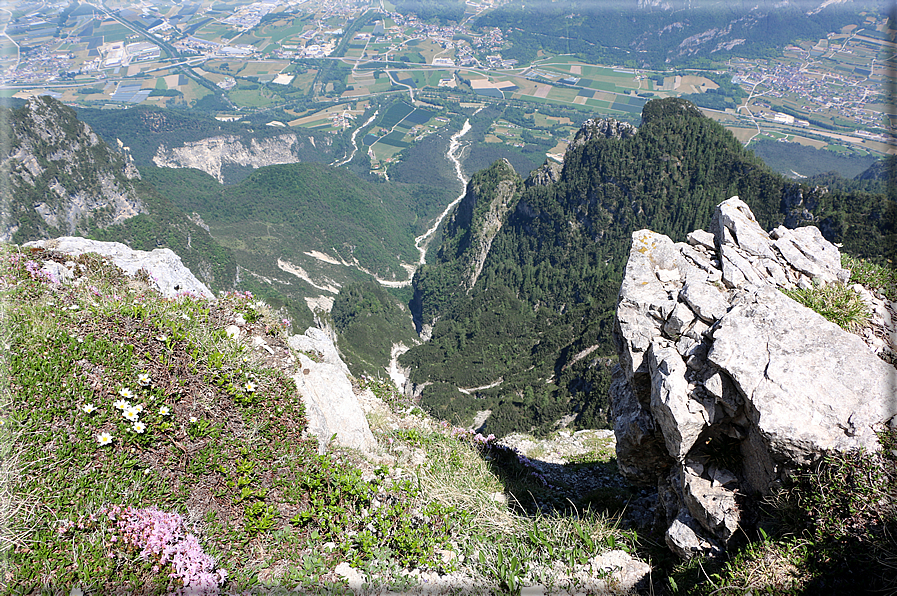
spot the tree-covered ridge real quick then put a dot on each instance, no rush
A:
(441, 11)
(652, 37)
(549, 282)
(469, 229)
(284, 211)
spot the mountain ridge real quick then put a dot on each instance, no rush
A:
(560, 253)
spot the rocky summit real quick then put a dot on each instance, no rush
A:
(725, 383)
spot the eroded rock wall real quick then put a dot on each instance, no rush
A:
(726, 383)
(63, 179)
(210, 155)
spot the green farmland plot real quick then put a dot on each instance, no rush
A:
(419, 116)
(561, 94)
(384, 151)
(395, 114)
(394, 139)
(598, 103)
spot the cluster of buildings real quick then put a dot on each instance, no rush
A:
(214, 49)
(118, 53)
(250, 16)
(39, 65)
(312, 50)
(827, 92)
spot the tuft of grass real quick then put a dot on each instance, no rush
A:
(873, 276)
(836, 302)
(121, 400)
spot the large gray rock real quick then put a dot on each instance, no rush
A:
(331, 406)
(811, 386)
(167, 273)
(679, 415)
(727, 384)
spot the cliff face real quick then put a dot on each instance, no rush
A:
(63, 179)
(212, 154)
(725, 383)
(480, 216)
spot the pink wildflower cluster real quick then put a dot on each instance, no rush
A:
(477, 438)
(236, 294)
(36, 272)
(161, 536)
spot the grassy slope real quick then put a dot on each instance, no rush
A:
(221, 445)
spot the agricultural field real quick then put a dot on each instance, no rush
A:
(849, 67)
(397, 129)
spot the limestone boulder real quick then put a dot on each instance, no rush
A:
(167, 273)
(331, 406)
(811, 387)
(727, 384)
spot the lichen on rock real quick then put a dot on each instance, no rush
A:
(727, 384)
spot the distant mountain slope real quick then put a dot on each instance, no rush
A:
(288, 211)
(658, 34)
(63, 179)
(798, 161)
(230, 151)
(533, 326)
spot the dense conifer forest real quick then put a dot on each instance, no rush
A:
(549, 282)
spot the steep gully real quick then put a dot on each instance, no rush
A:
(422, 242)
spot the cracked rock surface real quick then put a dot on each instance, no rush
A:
(726, 383)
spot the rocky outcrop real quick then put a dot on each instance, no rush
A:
(492, 220)
(606, 127)
(726, 384)
(331, 406)
(211, 154)
(62, 177)
(548, 173)
(167, 273)
(480, 215)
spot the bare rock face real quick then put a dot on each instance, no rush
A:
(59, 170)
(725, 383)
(210, 155)
(331, 407)
(167, 273)
(605, 127)
(548, 173)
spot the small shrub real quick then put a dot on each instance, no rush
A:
(870, 275)
(836, 302)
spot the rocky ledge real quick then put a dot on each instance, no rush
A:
(725, 383)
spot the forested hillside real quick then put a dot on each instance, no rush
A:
(143, 129)
(284, 211)
(604, 34)
(536, 324)
(66, 180)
